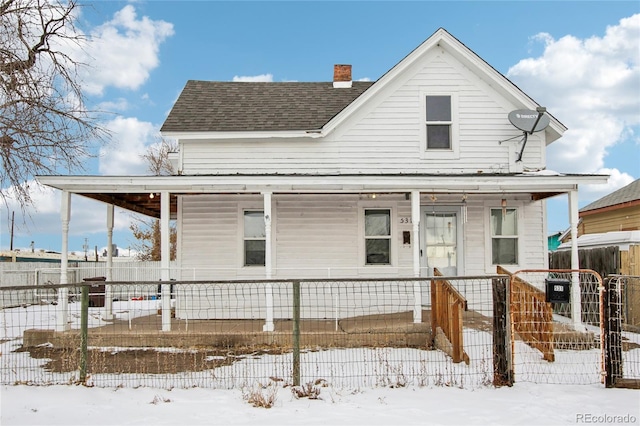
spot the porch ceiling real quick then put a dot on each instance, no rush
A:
(142, 204)
(134, 193)
(136, 202)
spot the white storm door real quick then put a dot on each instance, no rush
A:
(442, 240)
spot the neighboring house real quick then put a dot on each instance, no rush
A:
(553, 241)
(621, 239)
(419, 169)
(36, 256)
(618, 211)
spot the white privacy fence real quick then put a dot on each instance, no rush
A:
(41, 273)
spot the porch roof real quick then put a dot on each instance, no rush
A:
(133, 192)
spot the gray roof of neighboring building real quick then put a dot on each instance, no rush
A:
(214, 106)
(625, 194)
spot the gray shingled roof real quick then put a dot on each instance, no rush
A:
(213, 106)
(625, 194)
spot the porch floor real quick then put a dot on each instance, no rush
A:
(146, 331)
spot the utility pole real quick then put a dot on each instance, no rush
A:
(85, 246)
(13, 217)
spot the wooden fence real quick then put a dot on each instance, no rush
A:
(531, 315)
(603, 260)
(608, 261)
(447, 306)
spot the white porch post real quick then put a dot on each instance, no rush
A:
(268, 325)
(108, 297)
(415, 220)
(165, 258)
(63, 293)
(575, 263)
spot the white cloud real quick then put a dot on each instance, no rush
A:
(119, 104)
(616, 181)
(267, 78)
(592, 86)
(129, 141)
(123, 51)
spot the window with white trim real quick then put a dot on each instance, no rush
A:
(377, 235)
(504, 236)
(255, 238)
(439, 122)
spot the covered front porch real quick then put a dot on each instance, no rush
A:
(407, 198)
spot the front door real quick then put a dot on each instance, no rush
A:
(442, 240)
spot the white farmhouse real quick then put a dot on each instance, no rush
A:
(422, 168)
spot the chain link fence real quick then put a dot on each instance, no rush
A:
(550, 346)
(344, 333)
(350, 333)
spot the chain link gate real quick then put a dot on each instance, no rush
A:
(557, 339)
(622, 331)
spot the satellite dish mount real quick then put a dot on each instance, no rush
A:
(529, 122)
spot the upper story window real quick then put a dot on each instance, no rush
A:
(439, 121)
(439, 134)
(255, 238)
(377, 235)
(504, 236)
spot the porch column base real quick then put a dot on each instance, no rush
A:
(268, 327)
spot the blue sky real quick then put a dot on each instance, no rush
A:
(579, 59)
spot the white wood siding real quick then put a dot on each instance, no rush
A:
(209, 242)
(385, 135)
(320, 236)
(536, 250)
(315, 236)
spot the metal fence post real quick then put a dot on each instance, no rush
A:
(502, 368)
(84, 326)
(296, 333)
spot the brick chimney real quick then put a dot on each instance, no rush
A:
(342, 76)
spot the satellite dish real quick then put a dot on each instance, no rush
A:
(528, 120)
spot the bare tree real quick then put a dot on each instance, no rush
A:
(44, 124)
(147, 231)
(157, 158)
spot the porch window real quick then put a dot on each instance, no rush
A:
(254, 238)
(504, 236)
(377, 234)
(438, 122)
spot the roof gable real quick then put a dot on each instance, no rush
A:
(210, 108)
(623, 195)
(442, 39)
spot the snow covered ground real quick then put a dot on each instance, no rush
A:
(581, 399)
(523, 404)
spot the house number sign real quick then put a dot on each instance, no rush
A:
(405, 220)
